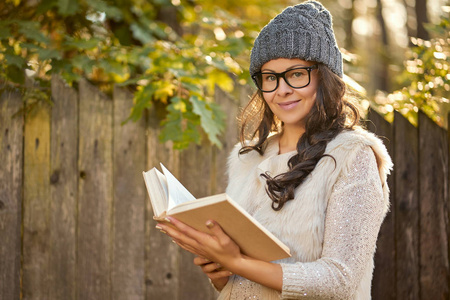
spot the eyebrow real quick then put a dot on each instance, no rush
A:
(290, 68)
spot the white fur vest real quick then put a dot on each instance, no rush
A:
(301, 222)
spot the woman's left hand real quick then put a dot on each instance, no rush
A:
(216, 246)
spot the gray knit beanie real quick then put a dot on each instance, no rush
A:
(302, 31)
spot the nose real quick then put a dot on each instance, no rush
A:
(284, 88)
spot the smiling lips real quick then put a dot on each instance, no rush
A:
(288, 104)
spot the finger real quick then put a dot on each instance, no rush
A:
(199, 261)
(219, 274)
(176, 235)
(188, 230)
(211, 267)
(180, 239)
(187, 247)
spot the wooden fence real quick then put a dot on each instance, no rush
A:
(75, 222)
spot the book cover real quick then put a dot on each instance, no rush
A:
(169, 197)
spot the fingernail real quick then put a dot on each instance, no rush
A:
(162, 231)
(174, 242)
(167, 220)
(158, 227)
(231, 273)
(209, 224)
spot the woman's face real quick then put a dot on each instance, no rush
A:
(289, 104)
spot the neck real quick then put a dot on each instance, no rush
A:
(289, 138)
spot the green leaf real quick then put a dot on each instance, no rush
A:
(83, 62)
(82, 44)
(122, 33)
(211, 121)
(67, 7)
(142, 100)
(141, 34)
(16, 74)
(195, 88)
(110, 10)
(70, 77)
(46, 5)
(31, 30)
(111, 66)
(29, 46)
(180, 125)
(5, 33)
(45, 54)
(16, 60)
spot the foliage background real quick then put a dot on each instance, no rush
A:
(173, 54)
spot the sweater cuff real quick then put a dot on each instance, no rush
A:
(291, 285)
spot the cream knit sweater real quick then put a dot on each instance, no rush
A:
(332, 224)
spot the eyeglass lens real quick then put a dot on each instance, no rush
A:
(296, 78)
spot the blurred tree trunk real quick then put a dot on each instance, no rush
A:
(411, 21)
(348, 22)
(422, 18)
(382, 70)
(168, 15)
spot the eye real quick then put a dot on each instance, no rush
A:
(297, 73)
(269, 77)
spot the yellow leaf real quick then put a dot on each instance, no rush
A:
(164, 91)
(221, 79)
(120, 78)
(15, 2)
(181, 106)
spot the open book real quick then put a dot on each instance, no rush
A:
(170, 198)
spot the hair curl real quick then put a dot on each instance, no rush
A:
(331, 114)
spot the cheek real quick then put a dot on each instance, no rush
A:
(268, 97)
(311, 94)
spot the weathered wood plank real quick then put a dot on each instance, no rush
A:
(245, 93)
(36, 203)
(383, 278)
(195, 174)
(63, 190)
(230, 137)
(95, 194)
(11, 174)
(161, 255)
(129, 201)
(434, 264)
(385, 254)
(407, 207)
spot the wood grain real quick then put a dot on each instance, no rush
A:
(95, 194)
(11, 176)
(63, 191)
(434, 264)
(383, 277)
(129, 202)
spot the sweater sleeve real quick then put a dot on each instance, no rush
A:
(354, 215)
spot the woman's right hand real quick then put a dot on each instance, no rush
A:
(215, 272)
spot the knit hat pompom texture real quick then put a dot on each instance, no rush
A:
(302, 31)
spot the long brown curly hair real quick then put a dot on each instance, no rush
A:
(331, 114)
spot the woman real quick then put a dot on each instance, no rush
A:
(309, 174)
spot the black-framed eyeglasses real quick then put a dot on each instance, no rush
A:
(296, 78)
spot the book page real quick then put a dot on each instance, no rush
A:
(177, 192)
(163, 181)
(156, 185)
